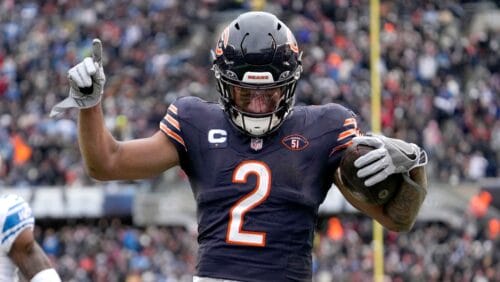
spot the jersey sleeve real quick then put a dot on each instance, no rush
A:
(347, 131)
(15, 217)
(346, 128)
(172, 124)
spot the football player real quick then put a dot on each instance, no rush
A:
(258, 167)
(19, 250)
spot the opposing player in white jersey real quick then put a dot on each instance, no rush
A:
(18, 248)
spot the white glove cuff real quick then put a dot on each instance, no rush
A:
(46, 275)
(75, 101)
(421, 157)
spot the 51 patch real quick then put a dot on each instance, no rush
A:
(295, 142)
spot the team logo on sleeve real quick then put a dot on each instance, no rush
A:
(295, 142)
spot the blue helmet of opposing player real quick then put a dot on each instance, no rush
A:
(257, 64)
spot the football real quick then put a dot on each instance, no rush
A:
(379, 193)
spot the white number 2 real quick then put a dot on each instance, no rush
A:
(235, 234)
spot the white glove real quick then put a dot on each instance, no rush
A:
(86, 81)
(390, 156)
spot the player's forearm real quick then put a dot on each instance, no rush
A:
(31, 260)
(404, 207)
(97, 145)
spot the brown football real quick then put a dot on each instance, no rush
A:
(379, 193)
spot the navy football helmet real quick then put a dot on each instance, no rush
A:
(257, 64)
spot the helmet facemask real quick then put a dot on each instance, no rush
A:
(257, 72)
(257, 109)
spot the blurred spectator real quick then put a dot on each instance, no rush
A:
(479, 204)
(477, 166)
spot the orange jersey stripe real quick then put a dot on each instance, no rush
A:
(343, 135)
(350, 121)
(340, 147)
(172, 121)
(172, 134)
(164, 128)
(173, 109)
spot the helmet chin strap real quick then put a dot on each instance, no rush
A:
(257, 126)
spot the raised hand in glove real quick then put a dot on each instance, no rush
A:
(390, 156)
(86, 81)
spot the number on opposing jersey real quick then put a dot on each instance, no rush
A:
(235, 234)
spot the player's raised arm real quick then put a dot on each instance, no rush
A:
(391, 156)
(106, 158)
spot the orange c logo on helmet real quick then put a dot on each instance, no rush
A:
(292, 42)
(223, 40)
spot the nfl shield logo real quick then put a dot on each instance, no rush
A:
(256, 144)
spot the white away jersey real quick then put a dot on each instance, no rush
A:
(15, 216)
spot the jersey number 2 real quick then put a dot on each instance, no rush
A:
(235, 234)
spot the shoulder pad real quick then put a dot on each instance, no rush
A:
(184, 112)
(341, 122)
(332, 117)
(15, 216)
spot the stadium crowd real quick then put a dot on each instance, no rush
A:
(111, 251)
(440, 74)
(440, 88)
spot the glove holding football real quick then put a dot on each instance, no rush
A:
(86, 81)
(390, 156)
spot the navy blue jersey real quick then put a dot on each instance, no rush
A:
(257, 199)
